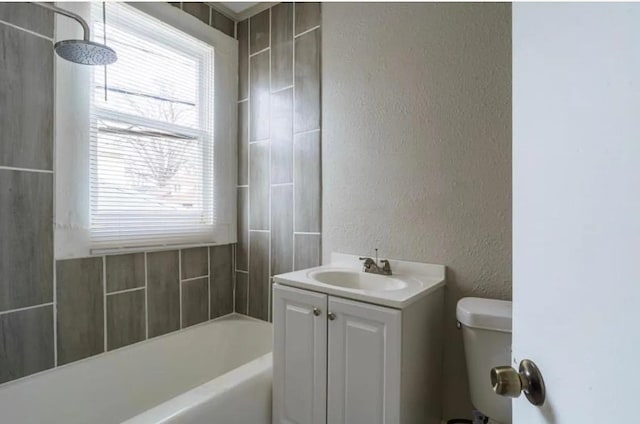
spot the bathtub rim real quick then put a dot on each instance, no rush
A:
(200, 395)
(228, 316)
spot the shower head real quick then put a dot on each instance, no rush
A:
(85, 52)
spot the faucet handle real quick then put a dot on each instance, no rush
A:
(386, 269)
(367, 262)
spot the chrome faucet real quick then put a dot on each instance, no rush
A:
(371, 266)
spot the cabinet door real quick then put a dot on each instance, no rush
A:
(299, 356)
(364, 364)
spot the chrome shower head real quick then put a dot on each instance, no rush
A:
(85, 52)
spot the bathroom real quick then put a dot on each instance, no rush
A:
(251, 213)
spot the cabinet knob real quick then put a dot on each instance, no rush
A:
(316, 311)
(331, 316)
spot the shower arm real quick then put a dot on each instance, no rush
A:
(78, 18)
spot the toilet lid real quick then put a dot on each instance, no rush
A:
(487, 314)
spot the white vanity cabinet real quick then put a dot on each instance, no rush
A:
(300, 358)
(343, 361)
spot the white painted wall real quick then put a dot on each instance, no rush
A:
(417, 146)
(576, 180)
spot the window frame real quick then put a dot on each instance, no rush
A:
(72, 237)
(206, 107)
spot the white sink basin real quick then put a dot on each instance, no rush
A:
(357, 280)
(343, 277)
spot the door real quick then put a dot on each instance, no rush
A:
(576, 208)
(364, 363)
(299, 356)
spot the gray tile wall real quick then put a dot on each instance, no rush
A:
(163, 292)
(26, 237)
(208, 15)
(27, 316)
(279, 181)
(26, 345)
(80, 308)
(221, 293)
(107, 302)
(126, 318)
(26, 97)
(100, 303)
(195, 301)
(125, 272)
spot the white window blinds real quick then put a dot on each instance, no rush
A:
(152, 134)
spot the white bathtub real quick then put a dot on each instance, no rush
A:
(218, 372)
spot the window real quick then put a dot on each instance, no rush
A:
(152, 134)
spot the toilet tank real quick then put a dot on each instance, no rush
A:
(486, 332)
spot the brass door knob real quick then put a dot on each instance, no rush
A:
(508, 382)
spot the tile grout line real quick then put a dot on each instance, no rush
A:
(233, 274)
(293, 137)
(242, 271)
(305, 132)
(26, 308)
(248, 205)
(281, 184)
(188, 280)
(319, 46)
(283, 88)
(258, 52)
(55, 311)
(55, 179)
(180, 282)
(124, 291)
(305, 31)
(104, 299)
(15, 168)
(269, 168)
(146, 299)
(26, 30)
(307, 233)
(209, 281)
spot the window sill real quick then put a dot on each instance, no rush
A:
(155, 248)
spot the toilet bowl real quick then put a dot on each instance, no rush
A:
(486, 333)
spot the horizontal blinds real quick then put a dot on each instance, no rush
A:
(152, 145)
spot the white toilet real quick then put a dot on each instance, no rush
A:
(486, 331)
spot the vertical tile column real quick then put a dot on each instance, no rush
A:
(259, 162)
(307, 136)
(126, 301)
(279, 144)
(194, 286)
(27, 314)
(80, 306)
(242, 248)
(163, 292)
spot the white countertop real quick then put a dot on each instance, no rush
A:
(420, 279)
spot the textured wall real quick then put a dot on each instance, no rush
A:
(278, 149)
(56, 312)
(417, 147)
